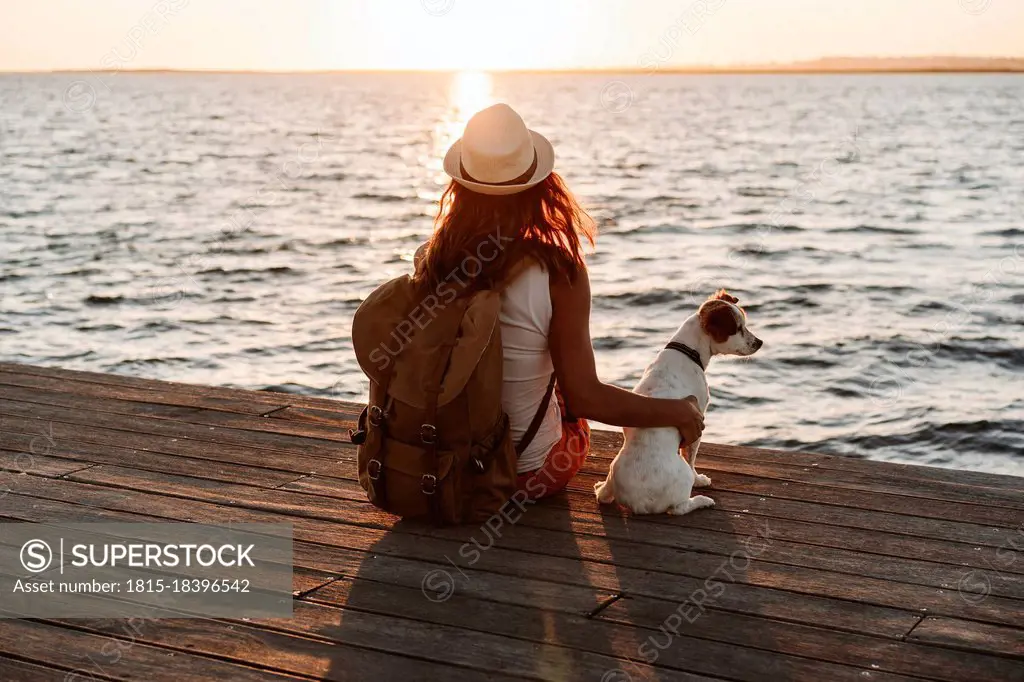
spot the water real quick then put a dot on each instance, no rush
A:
(223, 228)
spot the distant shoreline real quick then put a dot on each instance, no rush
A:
(830, 65)
(581, 72)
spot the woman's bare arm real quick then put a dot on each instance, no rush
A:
(585, 394)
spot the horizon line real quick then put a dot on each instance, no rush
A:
(916, 64)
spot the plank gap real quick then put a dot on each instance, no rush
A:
(305, 593)
(920, 619)
(605, 604)
(278, 409)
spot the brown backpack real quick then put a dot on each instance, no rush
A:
(434, 440)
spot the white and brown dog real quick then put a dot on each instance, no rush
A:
(648, 475)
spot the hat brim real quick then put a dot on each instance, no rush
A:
(545, 164)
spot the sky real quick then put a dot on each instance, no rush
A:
(286, 35)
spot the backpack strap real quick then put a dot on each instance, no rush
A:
(534, 426)
(428, 431)
(378, 417)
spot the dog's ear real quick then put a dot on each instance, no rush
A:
(723, 295)
(718, 320)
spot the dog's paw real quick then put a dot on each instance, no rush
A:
(696, 502)
(701, 481)
(603, 492)
(701, 501)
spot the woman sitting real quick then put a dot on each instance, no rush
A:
(507, 208)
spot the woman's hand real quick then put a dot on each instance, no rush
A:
(572, 353)
(690, 420)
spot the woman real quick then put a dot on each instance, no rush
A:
(503, 190)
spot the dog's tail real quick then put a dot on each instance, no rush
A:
(604, 491)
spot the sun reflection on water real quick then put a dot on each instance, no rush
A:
(469, 92)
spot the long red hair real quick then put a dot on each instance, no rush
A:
(479, 238)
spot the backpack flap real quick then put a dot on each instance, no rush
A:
(393, 329)
(375, 325)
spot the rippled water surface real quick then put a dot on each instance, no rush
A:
(223, 228)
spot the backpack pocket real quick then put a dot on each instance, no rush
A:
(408, 480)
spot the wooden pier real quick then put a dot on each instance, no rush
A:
(810, 567)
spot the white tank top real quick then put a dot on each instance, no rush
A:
(525, 321)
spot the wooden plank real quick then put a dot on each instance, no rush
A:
(315, 655)
(24, 508)
(21, 509)
(482, 615)
(608, 523)
(33, 396)
(876, 559)
(700, 566)
(871, 653)
(20, 671)
(867, 653)
(522, 589)
(840, 518)
(896, 516)
(191, 415)
(342, 418)
(323, 554)
(170, 428)
(847, 480)
(13, 463)
(69, 436)
(326, 657)
(851, 481)
(573, 635)
(761, 490)
(871, 569)
(971, 636)
(882, 469)
(607, 444)
(157, 385)
(784, 565)
(322, 410)
(240, 402)
(752, 495)
(836, 522)
(278, 501)
(62, 454)
(744, 598)
(516, 623)
(271, 425)
(354, 645)
(976, 545)
(856, 499)
(933, 490)
(329, 486)
(90, 654)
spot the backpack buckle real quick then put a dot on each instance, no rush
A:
(373, 469)
(428, 484)
(376, 415)
(428, 434)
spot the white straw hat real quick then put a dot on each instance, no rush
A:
(498, 154)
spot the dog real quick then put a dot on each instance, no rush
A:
(648, 475)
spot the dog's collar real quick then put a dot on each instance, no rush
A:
(687, 351)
